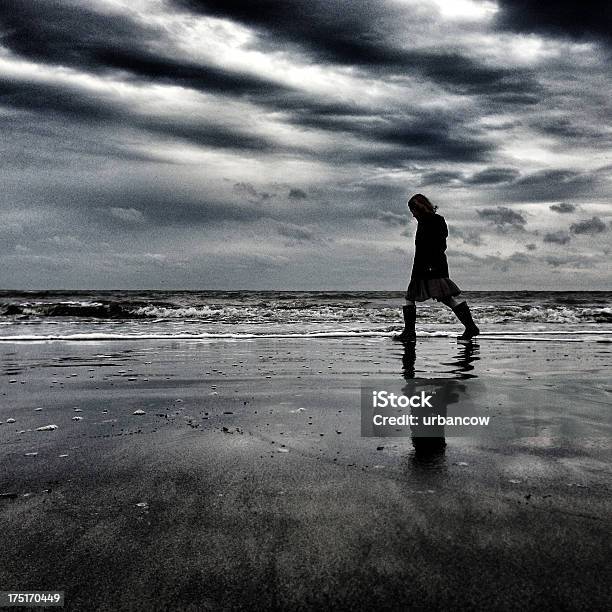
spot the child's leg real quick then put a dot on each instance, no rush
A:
(462, 311)
(451, 302)
(408, 333)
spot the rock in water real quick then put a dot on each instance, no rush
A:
(47, 428)
(139, 412)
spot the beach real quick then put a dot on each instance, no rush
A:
(232, 474)
(305, 306)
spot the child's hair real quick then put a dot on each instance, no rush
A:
(420, 202)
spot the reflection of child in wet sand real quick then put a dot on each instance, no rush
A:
(429, 278)
(427, 434)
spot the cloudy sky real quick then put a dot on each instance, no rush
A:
(240, 144)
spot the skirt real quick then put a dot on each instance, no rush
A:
(420, 289)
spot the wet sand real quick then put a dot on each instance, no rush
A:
(246, 483)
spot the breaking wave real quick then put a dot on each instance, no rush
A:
(298, 311)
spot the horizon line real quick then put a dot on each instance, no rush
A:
(90, 289)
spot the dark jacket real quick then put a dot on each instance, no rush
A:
(429, 246)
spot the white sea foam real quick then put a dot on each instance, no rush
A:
(208, 316)
(550, 335)
(304, 310)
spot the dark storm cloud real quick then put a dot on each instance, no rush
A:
(370, 34)
(519, 258)
(54, 100)
(147, 204)
(394, 156)
(402, 139)
(559, 237)
(407, 136)
(461, 73)
(502, 216)
(571, 18)
(250, 192)
(208, 135)
(562, 207)
(432, 137)
(31, 141)
(392, 219)
(589, 226)
(370, 200)
(144, 207)
(551, 184)
(511, 185)
(188, 74)
(296, 232)
(64, 32)
(468, 236)
(492, 262)
(441, 177)
(570, 129)
(70, 34)
(547, 177)
(569, 261)
(327, 28)
(514, 98)
(297, 194)
(492, 176)
(67, 33)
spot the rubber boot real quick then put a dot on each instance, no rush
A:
(408, 334)
(465, 316)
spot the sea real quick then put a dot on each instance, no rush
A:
(81, 316)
